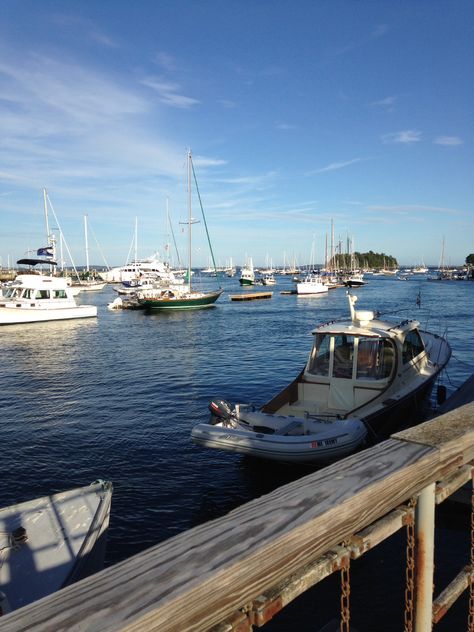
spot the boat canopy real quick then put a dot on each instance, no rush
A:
(34, 262)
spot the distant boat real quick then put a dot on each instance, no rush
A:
(362, 378)
(91, 284)
(268, 279)
(355, 280)
(182, 297)
(247, 274)
(311, 284)
(51, 542)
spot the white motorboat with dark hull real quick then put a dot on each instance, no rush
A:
(362, 378)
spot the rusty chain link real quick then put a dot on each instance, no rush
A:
(410, 568)
(345, 594)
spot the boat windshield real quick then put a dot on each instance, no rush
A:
(375, 359)
(319, 360)
(412, 346)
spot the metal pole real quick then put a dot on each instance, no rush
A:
(424, 564)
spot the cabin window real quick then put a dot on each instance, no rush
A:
(28, 293)
(319, 360)
(59, 293)
(374, 359)
(42, 294)
(343, 356)
(412, 346)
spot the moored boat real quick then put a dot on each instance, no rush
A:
(311, 284)
(362, 379)
(51, 542)
(180, 297)
(36, 298)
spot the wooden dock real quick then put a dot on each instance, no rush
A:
(250, 296)
(240, 570)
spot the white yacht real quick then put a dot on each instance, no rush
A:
(135, 269)
(35, 298)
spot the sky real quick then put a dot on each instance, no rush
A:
(297, 114)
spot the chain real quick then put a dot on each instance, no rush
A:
(345, 594)
(410, 568)
(470, 620)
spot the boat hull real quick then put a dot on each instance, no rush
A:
(24, 315)
(338, 440)
(188, 302)
(66, 536)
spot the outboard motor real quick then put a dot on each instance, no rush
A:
(220, 411)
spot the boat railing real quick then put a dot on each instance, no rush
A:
(238, 571)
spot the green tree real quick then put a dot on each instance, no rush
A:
(470, 259)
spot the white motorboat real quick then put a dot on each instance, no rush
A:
(51, 542)
(311, 284)
(363, 378)
(35, 298)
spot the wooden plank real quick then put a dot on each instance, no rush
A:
(250, 296)
(199, 578)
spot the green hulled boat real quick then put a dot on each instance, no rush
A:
(177, 299)
(181, 296)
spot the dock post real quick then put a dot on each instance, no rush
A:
(424, 566)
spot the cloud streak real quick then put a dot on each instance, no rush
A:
(404, 137)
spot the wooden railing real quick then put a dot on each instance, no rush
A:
(238, 569)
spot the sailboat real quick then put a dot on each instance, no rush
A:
(90, 284)
(181, 296)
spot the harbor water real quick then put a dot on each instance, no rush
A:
(116, 398)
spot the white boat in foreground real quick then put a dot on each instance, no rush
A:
(35, 298)
(363, 378)
(51, 542)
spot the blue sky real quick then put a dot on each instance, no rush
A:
(296, 113)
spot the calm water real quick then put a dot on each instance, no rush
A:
(116, 397)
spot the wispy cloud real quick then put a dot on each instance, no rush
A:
(450, 141)
(86, 27)
(166, 61)
(387, 103)
(404, 137)
(404, 209)
(285, 126)
(335, 166)
(168, 93)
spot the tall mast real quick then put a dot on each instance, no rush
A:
(87, 243)
(189, 218)
(45, 199)
(136, 239)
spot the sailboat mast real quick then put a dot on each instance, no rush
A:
(87, 243)
(136, 239)
(189, 218)
(45, 200)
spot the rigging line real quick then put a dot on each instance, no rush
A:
(205, 223)
(174, 241)
(63, 238)
(461, 361)
(98, 245)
